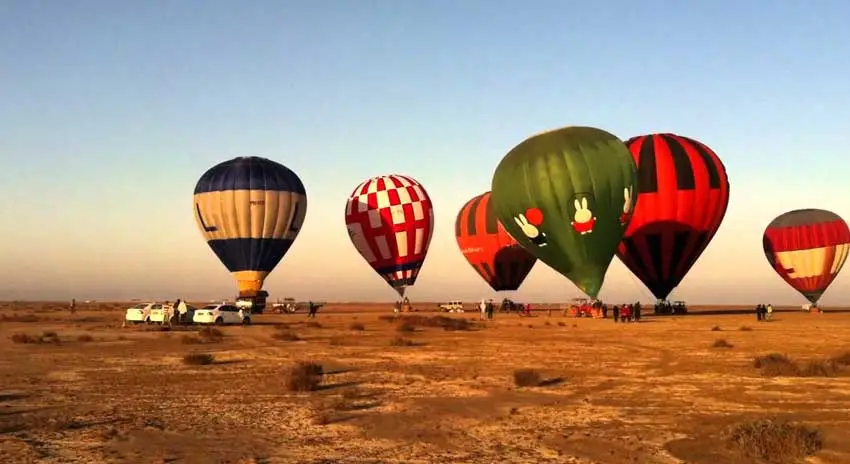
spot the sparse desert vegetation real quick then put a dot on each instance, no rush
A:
(443, 388)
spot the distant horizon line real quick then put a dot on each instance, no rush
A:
(375, 302)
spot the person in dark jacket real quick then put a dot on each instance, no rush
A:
(312, 308)
(616, 313)
(637, 311)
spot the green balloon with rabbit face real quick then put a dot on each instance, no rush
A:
(567, 196)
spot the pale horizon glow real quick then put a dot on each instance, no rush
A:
(112, 111)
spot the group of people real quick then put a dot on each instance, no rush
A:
(488, 308)
(629, 312)
(764, 312)
(174, 313)
(402, 305)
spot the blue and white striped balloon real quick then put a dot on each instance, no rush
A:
(250, 210)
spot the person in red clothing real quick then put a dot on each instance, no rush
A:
(528, 309)
(626, 313)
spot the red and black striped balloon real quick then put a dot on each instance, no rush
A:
(807, 248)
(683, 192)
(491, 251)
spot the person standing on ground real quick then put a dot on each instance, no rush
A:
(637, 311)
(758, 312)
(616, 310)
(604, 311)
(174, 317)
(491, 308)
(311, 309)
(182, 312)
(73, 306)
(769, 311)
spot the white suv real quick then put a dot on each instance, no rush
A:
(220, 314)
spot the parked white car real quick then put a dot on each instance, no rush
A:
(141, 312)
(220, 314)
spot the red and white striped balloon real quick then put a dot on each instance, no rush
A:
(390, 221)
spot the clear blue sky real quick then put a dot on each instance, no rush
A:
(110, 111)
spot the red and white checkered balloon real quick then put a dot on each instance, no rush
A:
(390, 220)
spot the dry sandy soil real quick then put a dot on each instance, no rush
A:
(651, 392)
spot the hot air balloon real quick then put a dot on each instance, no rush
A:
(566, 196)
(807, 248)
(682, 196)
(390, 221)
(491, 251)
(250, 210)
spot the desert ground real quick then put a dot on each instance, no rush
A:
(423, 389)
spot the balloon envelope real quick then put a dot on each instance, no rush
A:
(566, 196)
(390, 221)
(492, 252)
(807, 248)
(683, 192)
(249, 210)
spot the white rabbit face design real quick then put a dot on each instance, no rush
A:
(627, 205)
(530, 223)
(583, 221)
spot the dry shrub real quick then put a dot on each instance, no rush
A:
(49, 334)
(405, 327)
(356, 326)
(777, 365)
(745, 328)
(527, 378)
(25, 339)
(387, 318)
(322, 417)
(286, 335)
(562, 324)
(444, 322)
(313, 324)
(821, 368)
(85, 338)
(198, 359)
(210, 335)
(401, 341)
(721, 343)
(19, 318)
(190, 340)
(716, 328)
(841, 359)
(774, 441)
(304, 376)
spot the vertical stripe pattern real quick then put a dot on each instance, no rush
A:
(249, 210)
(807, 248)
(491, 251)
(390, 221)
(683, 193)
